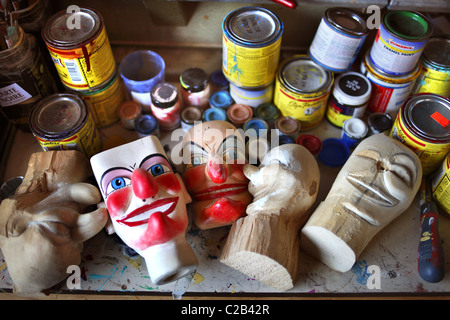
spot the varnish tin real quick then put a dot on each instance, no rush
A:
(389, 92)
(349, 98)
(302, 88)
(104, 102)
(62, 121)
(399, 41)
(251, 45)
(423, 124)
(435, 75)
(82, 56)
(440, 185)
(338, 39)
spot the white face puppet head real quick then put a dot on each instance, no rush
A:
(286, 183)
(146, 200)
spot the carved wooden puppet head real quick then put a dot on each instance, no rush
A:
(214, 154)
(377, 183)
(147, 201)
(42, 227)
(265, 243)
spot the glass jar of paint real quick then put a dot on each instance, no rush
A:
(195, 89)
(166, 106)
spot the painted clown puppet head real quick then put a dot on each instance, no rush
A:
(147, 201)
(214, 154)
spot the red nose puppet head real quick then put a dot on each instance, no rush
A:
(216, 170)
(143, 183)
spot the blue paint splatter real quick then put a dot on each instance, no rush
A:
(359, 269)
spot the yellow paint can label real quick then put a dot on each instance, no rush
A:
(440, 185)
(434, 81)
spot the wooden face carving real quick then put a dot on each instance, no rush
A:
(214, 155)
(285, 184)
(146, 200)
(378, 181)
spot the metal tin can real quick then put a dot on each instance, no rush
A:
(440, 185)
(255, 127)
(338, 39)
(268, 112)
(251, 46)
(310, 142)
(252, 98)
(423, 124)
(128, 112)
(239, 113)
(62, 121)
(212, 114)
(302, 88)
(221, 99)
(435, 75)
(147, 125)
(353, 131)
(379, 123)
(388, 92)
(104, 102)
(288, 126)
(400, 41)
(349, 98)
(190, 116)
(83, 57)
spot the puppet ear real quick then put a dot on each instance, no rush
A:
(89, 224)
(250, 171)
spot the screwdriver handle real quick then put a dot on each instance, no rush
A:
(431, 258)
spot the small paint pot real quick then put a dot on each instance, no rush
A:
(353, 131)
(334, 152)
(190, 116)
(288, 126)
(129, 111)
(221, 99)
(251, 97)
(256, 148)
(379, 123)
(255, 127)
(310, 142)
(239, 113)
(211, 114)
(268, 112)
(147, 125)
(283, 139)
(218, 81)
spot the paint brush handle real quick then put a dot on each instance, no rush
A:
(431, 258)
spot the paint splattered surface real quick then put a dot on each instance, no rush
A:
(108, 267)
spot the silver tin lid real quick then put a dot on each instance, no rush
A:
(56, 31)
(253, 26)
(347, 20)
(437, 52)
(303, 75)
(429, 115)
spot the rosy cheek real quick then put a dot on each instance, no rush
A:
(168, 182)
(194, 177)
(237, 172)
(118, 201)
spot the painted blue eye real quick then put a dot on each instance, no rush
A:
(118, 183)
(158, 169)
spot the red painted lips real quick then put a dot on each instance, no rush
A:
(220, 191)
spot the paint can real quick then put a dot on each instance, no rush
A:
(353, 131)
(283, 139)
(62, 121)
(252, 98)
(379, 123)
(338, 39)
(190, 116)
(302, 88)
(166, 106)
(256, 128)
(435, 75)
(389, 92)
(288, 126)
(221, 99)
(423, 125)
(212, 114)
(268, 112)
(218, 81)
(349, 98)
(104, 102)
(251, 45)
(440, 185)
(147, 125)
(82, 56)
(399, 41)
(128, 112)
(239, 113)
(310, 142)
